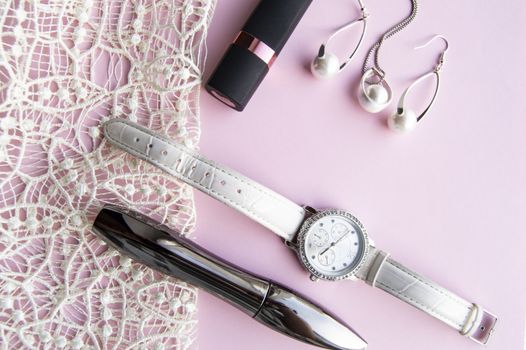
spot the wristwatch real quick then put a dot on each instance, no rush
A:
(331, 244)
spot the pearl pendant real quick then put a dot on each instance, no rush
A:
(326, 66)
(402, 122)
(374, 97)
(377, 93)
(404, 119)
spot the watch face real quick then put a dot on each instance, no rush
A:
(332, 244)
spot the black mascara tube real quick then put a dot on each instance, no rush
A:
(269, 303)
(249, 57)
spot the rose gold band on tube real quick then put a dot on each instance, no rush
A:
(256, 46)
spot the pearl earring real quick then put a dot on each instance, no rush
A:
(374, 96)
(374, 93)
(404, 119)
(326, 64)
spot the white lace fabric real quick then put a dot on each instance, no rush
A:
(65, 67)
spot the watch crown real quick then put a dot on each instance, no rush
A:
(310, 210)
(291, 244)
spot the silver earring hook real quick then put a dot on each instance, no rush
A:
(363, 9)
(363, 20)
(442, 54)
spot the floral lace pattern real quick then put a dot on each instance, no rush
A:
(65, 67)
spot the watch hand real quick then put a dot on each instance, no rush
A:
(326, 249)
(334, 243)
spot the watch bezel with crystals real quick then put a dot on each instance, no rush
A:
(301, 239)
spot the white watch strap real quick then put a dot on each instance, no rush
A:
(257, 202)
(469, 319)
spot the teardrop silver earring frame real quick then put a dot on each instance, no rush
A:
(322, 51)
(401, 101)
(401, 110)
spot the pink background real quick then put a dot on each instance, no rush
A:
(447, 200)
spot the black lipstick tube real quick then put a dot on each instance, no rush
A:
(248, 59)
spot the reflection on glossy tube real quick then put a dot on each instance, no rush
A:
(269, 303)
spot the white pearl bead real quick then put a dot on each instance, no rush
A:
(18, 31)
(9, 287)
(326, 66)
(81, 92)
(21, 15)
(184, 73)
(182, 132)
(31, 223)
(80, 33)
(106, 331)
(82, 16)
(44, 336)
(45, 93)
(137, 275)
(13, 223)
(77, 343)
(4, 139)
(133, 102)
(374, 98)
(159, 297)
(143, 47)
(17, 91)
(190, 307)
(135, 39)
(48, 222)
(162, 191)
(27, 124)
(7, 123)
(62, 93)
(67, 164)
(76, 220)
(106, 298)
(181, 105)
(130, 313)
(117, 110)
(18, 316)
(29, 287)
(139, 75)
(129, 189)
(60, 342)
(185, 297)
(137, 24)
(106, 314)
(16, 50)
(377, 93)
(146, 191)
(124, 261)
(402, 123)
(140, 9)
(188, 9)
(174, 303)
(6, 302)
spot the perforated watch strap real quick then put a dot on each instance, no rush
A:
(257, 202)
(469, 319)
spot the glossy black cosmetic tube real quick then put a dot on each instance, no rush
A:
(249, 57)
(269, 303)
